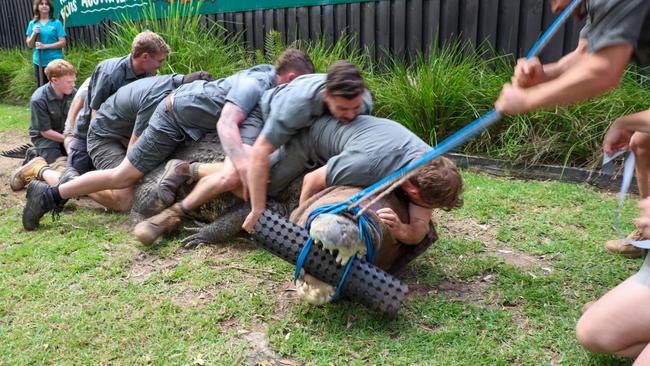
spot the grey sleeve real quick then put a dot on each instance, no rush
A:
(614, 23)
(142, 119)
(40, 120)
(102, 89)
(245, 94)
(352, 168)
(251, 127)
(285, 121)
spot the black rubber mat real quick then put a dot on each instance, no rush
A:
(365, 283)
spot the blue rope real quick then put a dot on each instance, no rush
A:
(456, 139)
(365, 223)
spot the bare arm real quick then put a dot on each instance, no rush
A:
(620, 132)
(53, 135)
(47, 46)
(592, 75)
(408, 233)
(258, 178)
(313, 183)
(228, 129)
(132, 141)
(31, 40)
(73, 113)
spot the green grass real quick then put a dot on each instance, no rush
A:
(80, 291)
(14, 118)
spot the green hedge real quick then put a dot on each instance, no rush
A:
(433, 96)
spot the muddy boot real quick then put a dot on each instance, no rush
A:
(59, 164)
(40, 200)
(176, 173)
(149, 230)
(620, 246)
(26, 173)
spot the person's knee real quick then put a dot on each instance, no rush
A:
(123, 200)
(640, 144)
(124, 175)
(593, 336)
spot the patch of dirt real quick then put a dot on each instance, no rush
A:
(473, 291)
(145, 265)
(10, 140)
(469, 229)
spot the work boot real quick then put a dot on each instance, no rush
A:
(176, 173)
(149, 230)
(39, 201)
(620, 246)
(26, 173)
(59, 164)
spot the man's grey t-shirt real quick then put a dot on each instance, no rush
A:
(129, 109)
(197, 106)
(358, 153)
(611, 23)
(48, 113)
(108, 76)
(293, 106)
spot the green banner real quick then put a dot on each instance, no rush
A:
(89, 12)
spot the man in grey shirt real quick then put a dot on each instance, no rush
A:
(148, 53)
(615, 33)
(112, 131)
(299, 103)
(192, 110)
(341, 93)
(361, 153)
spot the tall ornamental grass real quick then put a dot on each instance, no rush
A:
(434, 95)
(196, 44)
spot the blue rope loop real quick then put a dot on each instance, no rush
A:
(365, 224)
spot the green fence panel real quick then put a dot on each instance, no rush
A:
(89, 12)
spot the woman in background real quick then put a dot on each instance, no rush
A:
(47, 36)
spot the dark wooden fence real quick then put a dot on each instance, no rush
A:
(398, 27)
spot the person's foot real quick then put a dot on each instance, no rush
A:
(39, 202)
(26, 173)
(622, 247)
(149, 230)
(176, 173)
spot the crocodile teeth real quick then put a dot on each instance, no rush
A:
(344, 260)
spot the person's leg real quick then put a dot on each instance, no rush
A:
(618, 322)
(202, 170)
(643, 358)
(640, 145)
(108, 153)
(210, 186)
(51, 176)
(149, 230)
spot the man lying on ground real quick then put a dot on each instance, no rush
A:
(360, 154)
(119, 122)
(192, 110)
(148, 52)
(286, 109)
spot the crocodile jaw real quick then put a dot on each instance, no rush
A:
(338, 235)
